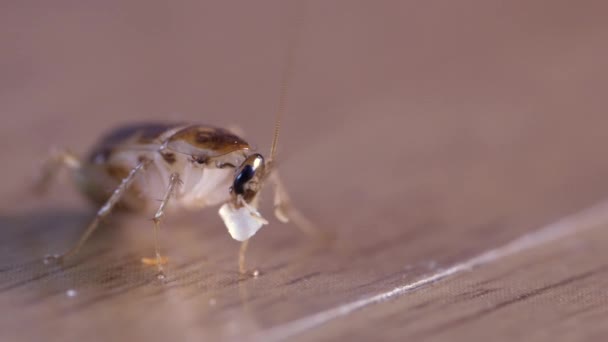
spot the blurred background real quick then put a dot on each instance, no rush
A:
(419, 131)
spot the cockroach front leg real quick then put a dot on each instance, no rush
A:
(57, 160)
(159, 261)
(286, 212)
(242, 253)
(102, 213)
(242, 265)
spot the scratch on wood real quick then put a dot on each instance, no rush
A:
(584, 220)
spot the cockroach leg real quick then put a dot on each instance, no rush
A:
(285, 211)
(159, 260)
(242, 251)
(102, 212)
(57, 160)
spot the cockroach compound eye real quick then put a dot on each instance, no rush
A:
(247, 178)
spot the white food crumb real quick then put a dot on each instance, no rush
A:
(242, 223)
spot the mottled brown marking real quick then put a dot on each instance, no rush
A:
(200, 159)
(143, 133)
(99, 193)
(218, 140)
(117, 172)
(169, 157)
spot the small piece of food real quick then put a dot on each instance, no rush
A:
(242, 223)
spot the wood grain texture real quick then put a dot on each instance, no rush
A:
(555, 292)
(421, 135)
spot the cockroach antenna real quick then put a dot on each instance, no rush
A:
(287, 77)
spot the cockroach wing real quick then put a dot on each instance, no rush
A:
(205, 142)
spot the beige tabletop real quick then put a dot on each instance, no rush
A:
(455, 149)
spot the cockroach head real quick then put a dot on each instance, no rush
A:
(248, 178)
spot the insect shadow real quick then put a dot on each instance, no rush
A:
(112, 262)
(27, 237)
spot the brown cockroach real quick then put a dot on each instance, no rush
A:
(188, 166)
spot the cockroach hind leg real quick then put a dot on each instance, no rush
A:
(56, 160)
(104, 211)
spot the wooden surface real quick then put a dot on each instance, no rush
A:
(556, 291)
(438, 142)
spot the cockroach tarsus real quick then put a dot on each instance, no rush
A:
(187, 166)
